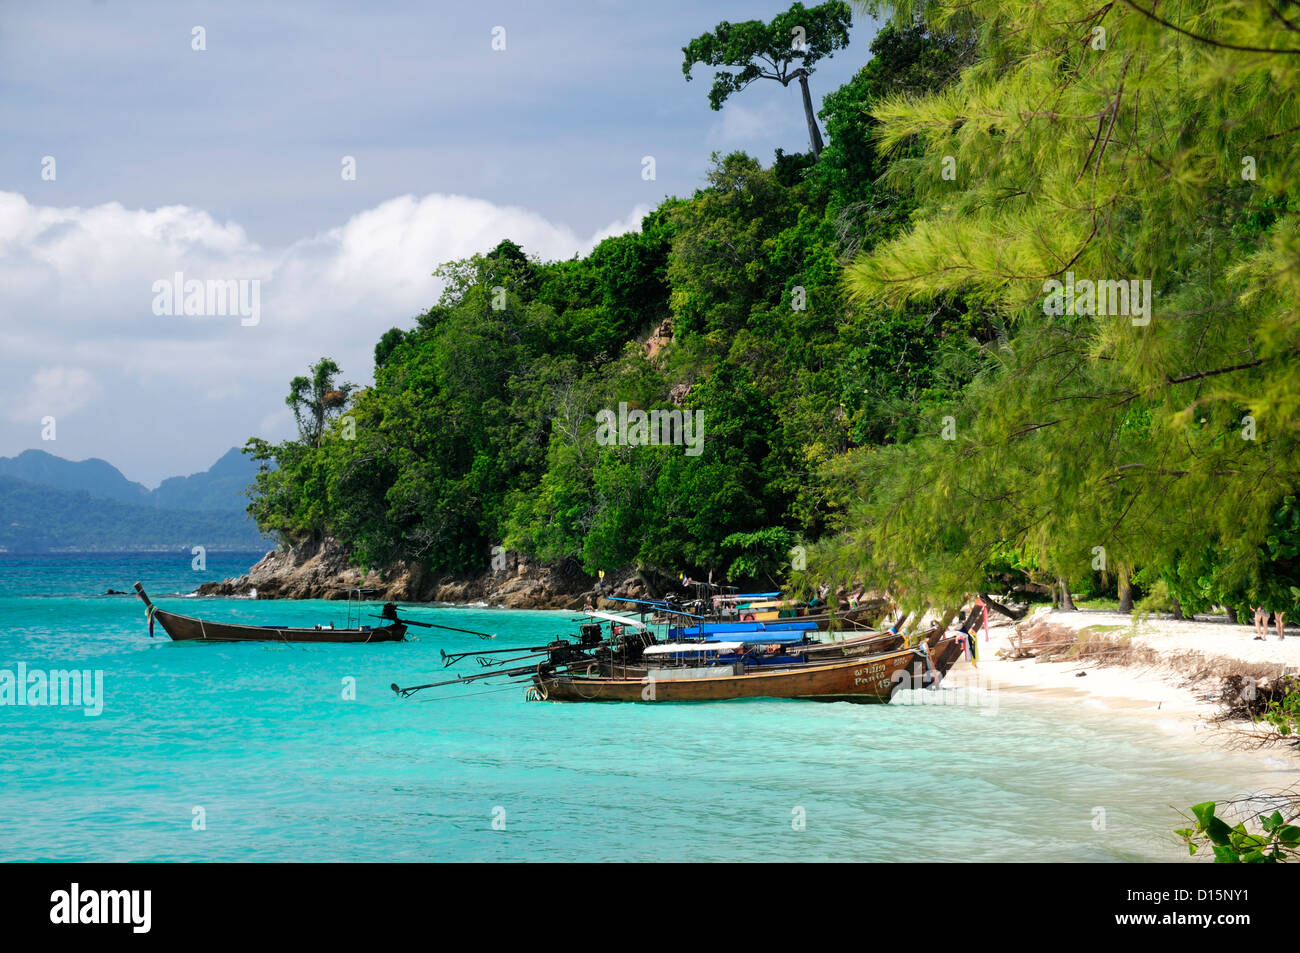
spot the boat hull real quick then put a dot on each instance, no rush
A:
(183, 628)
(870, 678)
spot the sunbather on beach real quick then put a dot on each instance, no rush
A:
(1261, 624)
(1280, 619)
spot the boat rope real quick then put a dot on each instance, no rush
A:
(924, 650)
(443, 698)
(452, 628)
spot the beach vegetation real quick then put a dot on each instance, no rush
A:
(863, 328)
(1269, 839)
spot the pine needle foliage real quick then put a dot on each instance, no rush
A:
(1095, 142)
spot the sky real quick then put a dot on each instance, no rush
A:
(128, 156)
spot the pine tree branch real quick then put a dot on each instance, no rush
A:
(1205, 39)
(1222, 370)
(1277, 15)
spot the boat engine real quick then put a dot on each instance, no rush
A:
(562, 652)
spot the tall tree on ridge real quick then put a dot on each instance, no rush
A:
(783, 50)
(312, 399)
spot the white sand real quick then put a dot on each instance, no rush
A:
(1162, 692)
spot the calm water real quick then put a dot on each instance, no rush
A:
(259, 739)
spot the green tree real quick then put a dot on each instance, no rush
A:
(1167, 156)
(783, 50)
(315, 399)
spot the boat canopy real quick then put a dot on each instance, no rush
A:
(679, 648)
(660, 604)
(747, 595)
(791, 625)
(619, 619)
(762, 638)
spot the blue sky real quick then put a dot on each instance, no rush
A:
(225, 164)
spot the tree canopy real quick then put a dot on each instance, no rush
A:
(785, 49)
(1028, 321)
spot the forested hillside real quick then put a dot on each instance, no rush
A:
(1028, 319)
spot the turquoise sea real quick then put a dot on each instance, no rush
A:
(251, 753)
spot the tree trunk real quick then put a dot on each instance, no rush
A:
(1178, 608)
(814, 134)
(1014, 614)
(1125, 593)
(1067, 601)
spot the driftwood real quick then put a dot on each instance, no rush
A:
(1014, 615)
(1248, 697)
(1043, 641)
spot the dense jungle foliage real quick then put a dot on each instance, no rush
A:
(889, 379)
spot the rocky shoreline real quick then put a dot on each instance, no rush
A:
(322, 571)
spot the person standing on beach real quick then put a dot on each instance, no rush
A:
(1261, 624)
(1280, 619)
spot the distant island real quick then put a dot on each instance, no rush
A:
(49, 504)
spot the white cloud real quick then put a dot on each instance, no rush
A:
(55, 392)
(630, 224)
(93, 269)
(76, 300)
(383, 258)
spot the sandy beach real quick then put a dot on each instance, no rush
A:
(1169, 687)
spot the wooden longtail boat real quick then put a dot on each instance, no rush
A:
(183, 628)
(806, 652)
(869, 678)
(844, 620)
(862, 645)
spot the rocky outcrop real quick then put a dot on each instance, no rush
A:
(659, 339)
(322, 571)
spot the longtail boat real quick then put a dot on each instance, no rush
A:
(868, 678)
(750, 651)
(722, 611)
(619, 666)
(183, 628)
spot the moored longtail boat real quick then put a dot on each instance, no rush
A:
(868, 678)
(183, 628)
(630, 661)
(860, 645)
